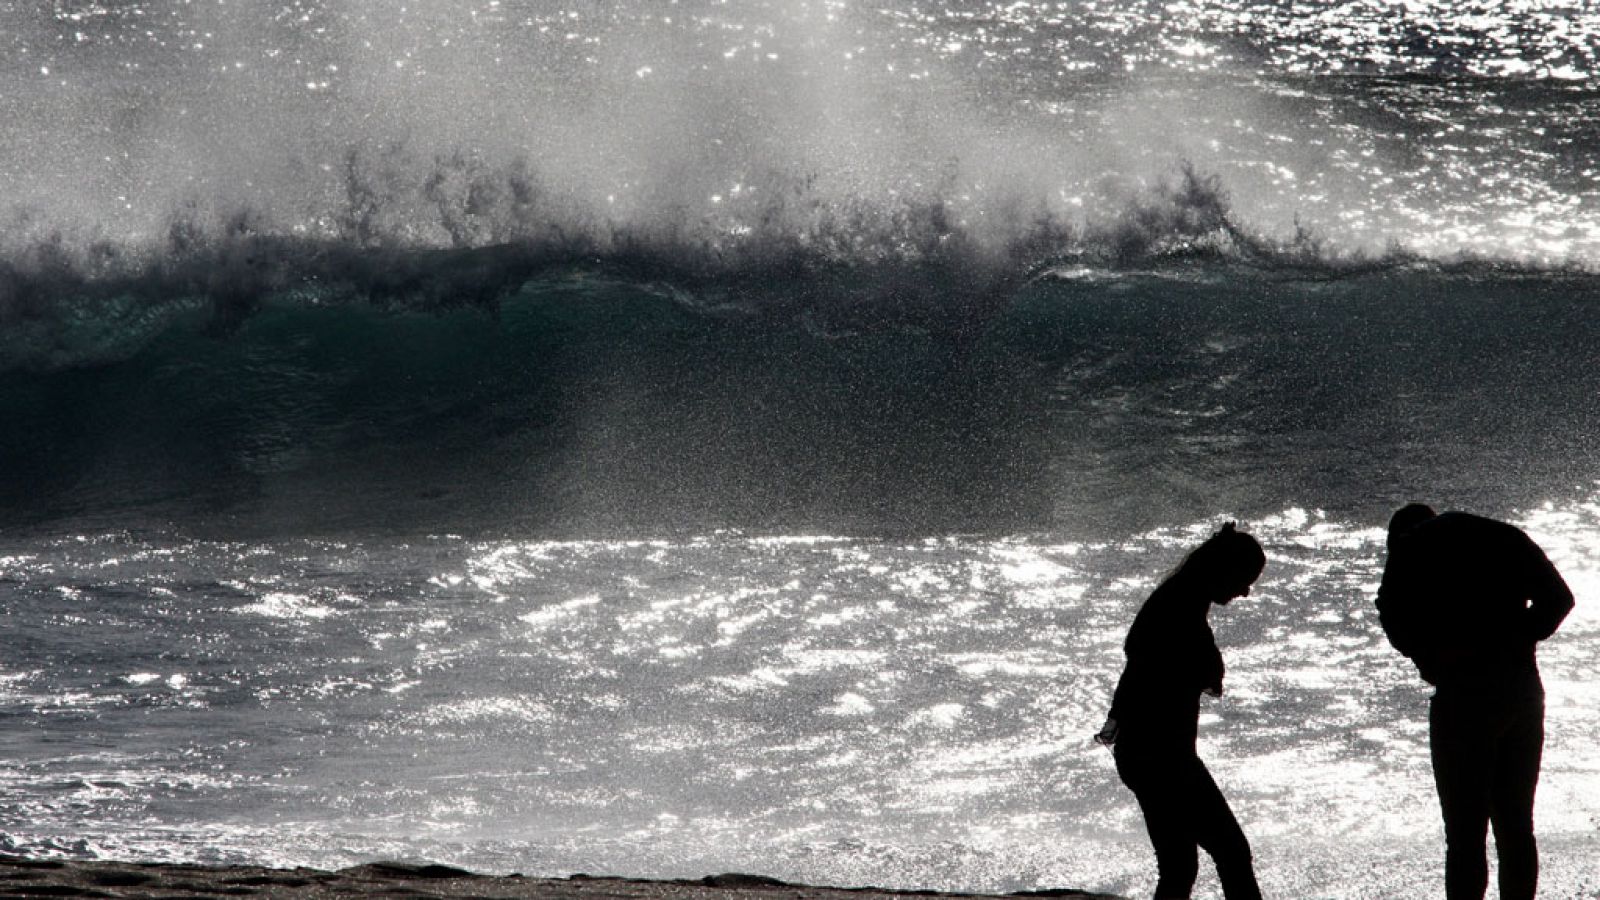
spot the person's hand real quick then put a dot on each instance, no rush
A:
(1107, 735)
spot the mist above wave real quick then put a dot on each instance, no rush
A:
(455, 231)
(723, 137)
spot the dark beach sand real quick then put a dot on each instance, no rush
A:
(20, 877)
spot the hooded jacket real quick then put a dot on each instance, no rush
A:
(1467, 599)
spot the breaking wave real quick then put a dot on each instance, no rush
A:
(458, 233)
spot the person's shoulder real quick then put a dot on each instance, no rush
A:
(1470, 536)
(1456, 523)
(1455, 518)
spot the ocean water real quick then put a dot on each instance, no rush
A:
(659, 438)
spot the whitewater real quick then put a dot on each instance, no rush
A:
(665, 438)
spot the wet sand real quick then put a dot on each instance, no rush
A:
(20, 877)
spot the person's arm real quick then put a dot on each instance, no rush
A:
(1212, 669)
(1397, 607)
(1549, 598)
(1107, 735)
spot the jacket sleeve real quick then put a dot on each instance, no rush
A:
(1549, 598)
(1119, 698)
(1399, 605)
(1210, 668)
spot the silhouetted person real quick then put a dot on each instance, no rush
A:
(1467, 599)
(1172, 658)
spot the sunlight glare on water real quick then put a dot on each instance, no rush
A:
(830, 709)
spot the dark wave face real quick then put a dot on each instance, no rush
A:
(578, 399)
(582, 400)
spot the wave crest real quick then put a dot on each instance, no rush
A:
(456, 230)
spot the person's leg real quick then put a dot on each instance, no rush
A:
(1219, 833)
(1516, 777)
(1462, 755)
(1167, 820)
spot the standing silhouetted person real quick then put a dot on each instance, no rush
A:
(1172, 658)
(1467, 599)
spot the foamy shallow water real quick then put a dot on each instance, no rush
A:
(839, 710)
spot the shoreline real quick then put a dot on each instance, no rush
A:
(26, 877)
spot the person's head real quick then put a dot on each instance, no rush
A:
(1408, 517)
(1225, 565)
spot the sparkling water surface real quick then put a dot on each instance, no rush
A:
(913, 713)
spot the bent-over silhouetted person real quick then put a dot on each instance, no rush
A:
(1467, 599)
(1172, 658)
